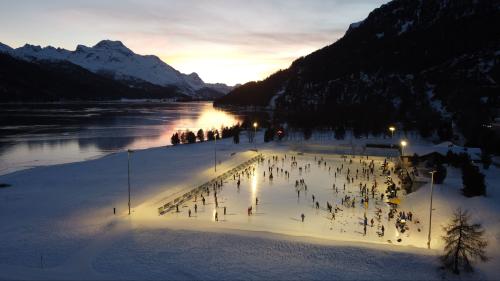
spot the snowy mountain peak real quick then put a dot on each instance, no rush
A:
(34, 48)
(195, 80)
(112, 46)
(114, 58)
(194, 75)
(5, 49)
(82, 48)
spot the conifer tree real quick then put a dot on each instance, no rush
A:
(236, 137)
(175, 139)
(210, 135)
(473, 180)
(183, 137)
(440, 174)
(485, 159)
(190, 137)
(200, 135)
(464, 242)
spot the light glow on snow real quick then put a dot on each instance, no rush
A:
(254, 189)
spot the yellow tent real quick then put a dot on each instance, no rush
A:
(395, 201)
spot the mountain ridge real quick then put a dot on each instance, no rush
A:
(48, 81)
(428, 65)
(119, 62)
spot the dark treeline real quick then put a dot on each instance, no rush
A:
(188, 136)
(472, 178)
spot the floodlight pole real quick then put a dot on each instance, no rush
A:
(430, 211)
(128, 177)
(215, 152)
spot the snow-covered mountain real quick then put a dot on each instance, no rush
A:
(114, 59)
(5, 49)
(431, 65)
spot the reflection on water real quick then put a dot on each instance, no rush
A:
(45, 134)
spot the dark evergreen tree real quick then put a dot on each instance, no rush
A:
(450, 158)
(269, 135)
(190, 137)
(307, 133)
(211, 135)
(457, 160)
(236, 137)
(236, 132)
(440, 174)
(225, 132)
(175, 139)
(464, 242)
(414, 159)
(339, 132)
(485, 159)
(183, 137)
(473, 180)
(200, 135)
(250, 134)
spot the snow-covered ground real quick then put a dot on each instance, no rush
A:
(58, 222)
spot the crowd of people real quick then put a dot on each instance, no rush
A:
(353, 185)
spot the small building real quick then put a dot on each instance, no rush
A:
(431, 153)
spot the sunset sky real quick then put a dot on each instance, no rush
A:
(223, 41)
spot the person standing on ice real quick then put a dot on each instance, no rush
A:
(216, 216)
(189, 213)
(256, 200)
(203, 200)
(195, 208)
(302, 216)
(382, 230)
(224, 210)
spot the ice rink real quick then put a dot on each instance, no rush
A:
(277, 203)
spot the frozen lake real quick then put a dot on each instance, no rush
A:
(281, 202)
(54, 133)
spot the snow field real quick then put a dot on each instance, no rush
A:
(64, 213)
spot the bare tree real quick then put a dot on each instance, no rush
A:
(463, 242)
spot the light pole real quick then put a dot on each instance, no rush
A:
(216, 135)
(392, 129)
(255, 134)
(430, 212)
(129, 151)
(403, 144)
